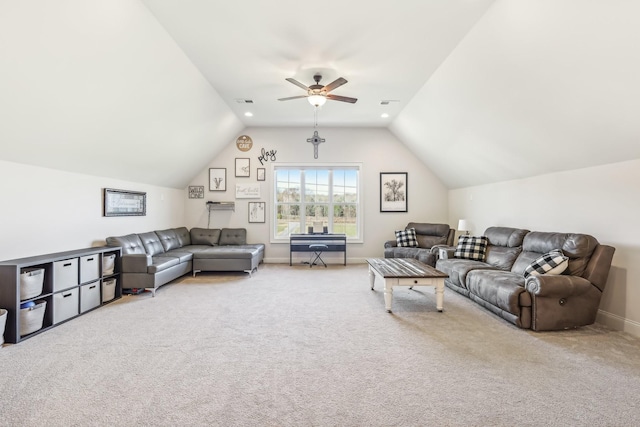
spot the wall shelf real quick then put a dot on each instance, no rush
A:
(221, 206)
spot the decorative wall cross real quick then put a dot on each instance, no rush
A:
(315, 140)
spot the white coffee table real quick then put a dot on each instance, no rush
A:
(405, 272)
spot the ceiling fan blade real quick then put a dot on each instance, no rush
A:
(297, 83)
(334, 84)
(292, 97)
(342, 98)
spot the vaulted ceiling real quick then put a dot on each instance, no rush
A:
(481, 90)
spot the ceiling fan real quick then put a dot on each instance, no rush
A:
(318, 94)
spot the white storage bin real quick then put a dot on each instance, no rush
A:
(108, 290)
(65, 274)
(3, 322)
(65, 305)
(31, 318)
(89, 296)
(31, 283)
(89, 268)
(108, 264)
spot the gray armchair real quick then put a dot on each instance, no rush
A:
(429, 237)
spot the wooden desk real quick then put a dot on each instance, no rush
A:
(301, 242)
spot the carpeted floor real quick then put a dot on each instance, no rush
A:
(294, 346)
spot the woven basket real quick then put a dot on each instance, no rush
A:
(108, 264)
(31, 318)
(31, 283)
(108, 290)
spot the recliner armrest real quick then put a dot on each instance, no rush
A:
(443, 251)
(553, 286)
(135, 263)
(390, 244)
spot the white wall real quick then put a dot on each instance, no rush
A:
(47, 210)
(99, 87)
(377, 149)
(531, 78)
(601, 201)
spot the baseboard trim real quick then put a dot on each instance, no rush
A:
(618, 323)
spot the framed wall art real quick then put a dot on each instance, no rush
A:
(124, 203)
(217, 179)
(261, 174)
(248, 191)
(243, 168)
(196, 191)
(393, 192)
(257, 211)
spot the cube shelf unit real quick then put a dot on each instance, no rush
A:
(75, 282)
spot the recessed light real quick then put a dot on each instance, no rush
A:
(384, 115)
(248, 114)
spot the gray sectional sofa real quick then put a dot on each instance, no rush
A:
(152, 259)
(539, 302)
(429, 236)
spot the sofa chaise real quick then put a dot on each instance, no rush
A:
(428, 237)
(152, 259)
(540, 301)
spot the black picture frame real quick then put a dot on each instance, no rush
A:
(394, 192)
(196, 191)
(124, 203)
(217, 179)
(243, 167)
(261, 174)
(257, 212)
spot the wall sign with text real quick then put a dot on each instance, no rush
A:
(244, 143)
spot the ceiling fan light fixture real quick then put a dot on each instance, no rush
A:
(317, 100)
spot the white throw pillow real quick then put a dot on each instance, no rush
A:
(407, 238)
(553, 262)
(470, 247)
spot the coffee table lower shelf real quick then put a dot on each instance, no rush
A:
(405, 272)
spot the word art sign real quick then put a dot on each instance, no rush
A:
(266, 156)
(248, 191)
(244, 143)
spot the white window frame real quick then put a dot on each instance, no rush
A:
(323, 166)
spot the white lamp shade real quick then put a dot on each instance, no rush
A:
(463, 225)
(317, 100)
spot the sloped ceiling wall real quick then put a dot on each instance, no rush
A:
(536, 86)
(99, 87)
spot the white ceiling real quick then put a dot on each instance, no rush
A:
(487, 90)
(386, 50)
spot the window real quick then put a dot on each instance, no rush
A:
(306, 194)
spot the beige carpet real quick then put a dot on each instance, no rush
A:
(294, 346)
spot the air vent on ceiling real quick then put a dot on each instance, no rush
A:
(388, 101)
(244, 101)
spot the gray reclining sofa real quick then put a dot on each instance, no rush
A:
(152, 259)
(539, 302)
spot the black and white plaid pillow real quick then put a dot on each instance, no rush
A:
(553, 262)
(407, 238)
(470, 247)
